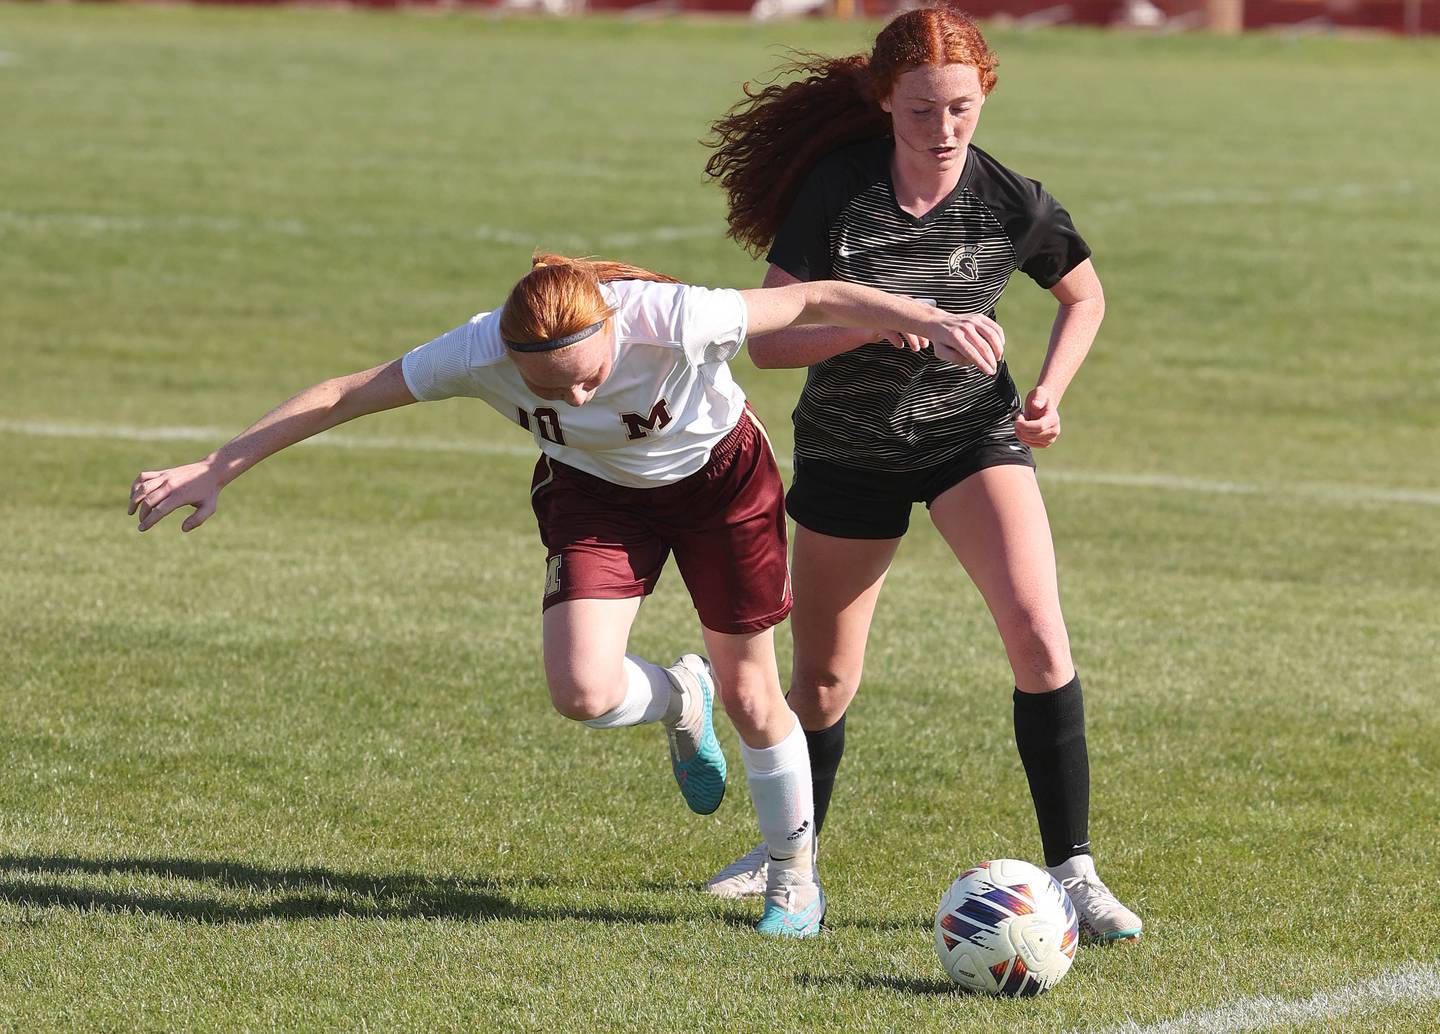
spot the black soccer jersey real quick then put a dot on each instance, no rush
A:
(882, 407)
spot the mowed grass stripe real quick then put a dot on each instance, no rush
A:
(110, 222)
(1320, 492)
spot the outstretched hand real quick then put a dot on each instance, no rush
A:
(970, 339)
(1038, 423)
(157, 492)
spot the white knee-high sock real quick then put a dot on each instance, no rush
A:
(779, 779)
(648, 693)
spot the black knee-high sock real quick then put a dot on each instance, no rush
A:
(827, 746)
(1050, 732)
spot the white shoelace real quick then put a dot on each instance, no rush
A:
(1092, 886)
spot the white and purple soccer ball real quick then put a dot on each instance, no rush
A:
(1006, 927)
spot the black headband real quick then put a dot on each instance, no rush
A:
(559, 342)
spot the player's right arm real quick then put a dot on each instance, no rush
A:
(808, 345)
(972, 339)
(320, 407)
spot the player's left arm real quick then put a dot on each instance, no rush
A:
(1077, 321)
(969, 338)
(319, 407)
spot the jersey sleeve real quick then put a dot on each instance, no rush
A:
(802, 244)
(453, 364)
(708, 325)
(1048, 246)
(713, 324)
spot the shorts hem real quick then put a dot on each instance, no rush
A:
(964, 474)
(756, 625)
(846, 529)
(627, 593)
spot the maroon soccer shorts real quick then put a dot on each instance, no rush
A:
(725, 524)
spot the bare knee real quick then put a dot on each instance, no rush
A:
(757, 711)
(579, 705)
(581, 696)
(819, 696)
(1038, 647)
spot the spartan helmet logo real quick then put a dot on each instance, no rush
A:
(965, 262)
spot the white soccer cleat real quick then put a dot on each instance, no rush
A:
(1102, 916)
(743, 878)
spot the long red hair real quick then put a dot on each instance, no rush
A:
(562, 295)
(766, 145)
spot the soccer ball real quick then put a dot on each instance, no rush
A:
(1006, 928)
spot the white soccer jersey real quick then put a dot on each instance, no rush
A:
(668, 401)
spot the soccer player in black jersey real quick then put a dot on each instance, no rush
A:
(861, 169)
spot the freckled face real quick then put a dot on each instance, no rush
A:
(572, 374)
(934, 110)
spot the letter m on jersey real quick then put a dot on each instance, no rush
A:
(640, 426)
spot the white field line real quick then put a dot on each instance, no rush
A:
(1279, 489)
(1318, 491)
(215, 436)
(1411, 984)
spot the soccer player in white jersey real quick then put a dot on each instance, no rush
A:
(647, 448)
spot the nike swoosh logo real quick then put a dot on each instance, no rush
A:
(804, 920)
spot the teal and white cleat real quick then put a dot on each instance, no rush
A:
(1102, 916)
(695, 754)
(743, 878)
(794, 899)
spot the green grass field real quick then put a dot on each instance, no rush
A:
(298, 770)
